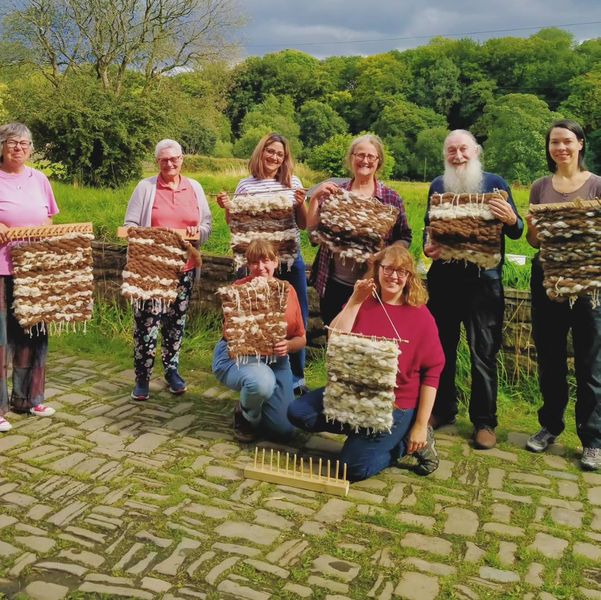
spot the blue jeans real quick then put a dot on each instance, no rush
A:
(265, 390)
(297, 277)
(364, 454)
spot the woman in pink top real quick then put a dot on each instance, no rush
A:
(26, 199)
(400, 300)
(172, 201)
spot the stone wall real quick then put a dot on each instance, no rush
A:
(109, 260)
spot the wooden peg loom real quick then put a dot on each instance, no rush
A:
(122, 233)
(285, 469)
(48, 231)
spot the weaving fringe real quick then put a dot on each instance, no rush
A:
(570, 251)
(53, 283)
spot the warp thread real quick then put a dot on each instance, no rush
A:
(53, 283)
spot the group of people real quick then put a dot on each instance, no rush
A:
(376, 299)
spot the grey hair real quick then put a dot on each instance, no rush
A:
(465, 132)
(366, 138)
(10, 130)
(163, 144)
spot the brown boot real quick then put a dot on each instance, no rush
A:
(243, 430)
(484, 438)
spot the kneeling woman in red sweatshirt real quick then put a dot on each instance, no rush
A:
(390, 297)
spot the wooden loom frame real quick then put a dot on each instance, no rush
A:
(122, 232)
(288, 473)
(48, 231)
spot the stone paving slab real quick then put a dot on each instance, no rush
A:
(117, 499)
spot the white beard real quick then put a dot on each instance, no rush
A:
(467, 180)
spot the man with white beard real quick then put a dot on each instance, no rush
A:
(461, 292)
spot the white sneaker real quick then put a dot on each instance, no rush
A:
(4, 425)
(42, 411)
(591, 459)
(540, 441)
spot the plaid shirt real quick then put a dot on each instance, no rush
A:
(322, 266)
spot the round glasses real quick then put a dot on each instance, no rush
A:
(389, 271)
(370, 158)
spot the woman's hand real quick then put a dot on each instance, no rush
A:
(223, 200)
(281, 348)
(502, 210)
(417, 438)
(532, 232)
(3, 234)
(299, 196)
(327, 188)
(192, 231)
(432, 250)
(363, 289)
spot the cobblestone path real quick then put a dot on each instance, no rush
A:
(112, 498)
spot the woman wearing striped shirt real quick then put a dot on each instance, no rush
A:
(271, 166)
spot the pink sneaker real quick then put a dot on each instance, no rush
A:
(42, 411)
(4, 425)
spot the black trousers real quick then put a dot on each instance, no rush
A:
(551, 322)
(478, 303)
(334, 298)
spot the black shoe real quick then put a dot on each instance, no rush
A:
(301, 390)
(436, 422)
(243, 430)
(427, 457)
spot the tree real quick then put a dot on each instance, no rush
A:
(584, 101)
(318, 122)
(154, 37)
(516, 125)
(428, 151)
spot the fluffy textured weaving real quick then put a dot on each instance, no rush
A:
(53, 282)
(155, 258)
(464, 227)
(570, 251)
(264, 217)
(362, 374)
(353, 226)
(253, 315)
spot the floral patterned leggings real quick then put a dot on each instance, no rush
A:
(149, 318)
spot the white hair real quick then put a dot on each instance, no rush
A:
(163, 144)
(465, 132)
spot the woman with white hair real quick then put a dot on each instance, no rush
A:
(26, 200)
(172, 201)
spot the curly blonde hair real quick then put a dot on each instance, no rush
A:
(398, 257)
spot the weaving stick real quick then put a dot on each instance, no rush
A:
(47, 231)
(578, 203)
(122, 232)
(295, 474)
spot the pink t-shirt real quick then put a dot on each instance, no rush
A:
(26, 200)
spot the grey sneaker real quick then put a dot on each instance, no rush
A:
(427, 457)
(591, 459)
(540, 441)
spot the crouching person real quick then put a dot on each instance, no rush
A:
(264, 382)
(389, 303)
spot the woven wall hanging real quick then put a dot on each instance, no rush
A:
(353, 226)
(155, 259)
(570, 251)
(465, 228)
(53, 281)
(267, 217)
(362, 372)
(254, 316)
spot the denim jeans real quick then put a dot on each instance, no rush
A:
(478, 303)
(297, 277)
(551, 322)
(364, 454)
(265, 390)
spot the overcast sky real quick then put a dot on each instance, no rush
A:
(344, 27)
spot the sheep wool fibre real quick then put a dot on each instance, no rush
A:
(155, 258)
(53, 283)
(254, 316)
(353, 226)
(264, 217)
(465, 228)
(570, 250)
(362, 374)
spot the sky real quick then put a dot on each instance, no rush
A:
(346, 27)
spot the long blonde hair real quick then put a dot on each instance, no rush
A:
(398, 257)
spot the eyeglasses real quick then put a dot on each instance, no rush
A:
(276, 153)
(173, 159)
(389, 271)
(370, 158)
(25, 144)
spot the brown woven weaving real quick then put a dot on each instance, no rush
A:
(53, 283)
(465, 229)
(353, 226)
(570, 251)
(268, 216)
(253, 315)
(155, 258)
